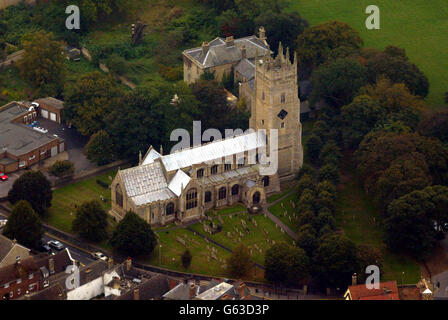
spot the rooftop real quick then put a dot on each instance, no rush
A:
(387, 291)
(219, 52)
(18, 139)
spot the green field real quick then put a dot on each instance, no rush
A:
(63, 211)
(419, 26)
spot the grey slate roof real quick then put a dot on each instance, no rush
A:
(146, 183)
(219, 53)
(246, 68)
(5, 246)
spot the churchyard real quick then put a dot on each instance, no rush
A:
(257, 232)
(286, 211)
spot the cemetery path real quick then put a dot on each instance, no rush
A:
(276, 220)
(218, 244)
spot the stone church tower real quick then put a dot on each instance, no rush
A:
(276, 105)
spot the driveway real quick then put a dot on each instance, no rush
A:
(74, 143)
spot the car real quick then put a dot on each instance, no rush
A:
(55, 245)
(3, 176)
(3, 222)
(100, 255)
(44, 247)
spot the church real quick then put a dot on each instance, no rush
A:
(184, 185)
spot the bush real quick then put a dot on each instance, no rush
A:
(62, 169)
(186, 259)
(116, 64)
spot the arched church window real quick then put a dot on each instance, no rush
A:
(192, 198)
(222, 193)
(169, 208)
(118, 196)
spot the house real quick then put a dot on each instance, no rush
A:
(387, 291)
(220, 56)
(32, 274)
(22, 145)
(214, 290)
(10, 251)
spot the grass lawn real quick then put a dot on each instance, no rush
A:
(256, 236)
(284, 210)
(63, 211)
(358, 216)
(12, 87)
(419, 26)
(234, 209)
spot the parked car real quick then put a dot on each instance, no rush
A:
(3, 176)
(3, 222)
(56, 245)
(100, 255)
(43, 247)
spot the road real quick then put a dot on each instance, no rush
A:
(77, 253)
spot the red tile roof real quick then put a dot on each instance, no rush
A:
(387, 291)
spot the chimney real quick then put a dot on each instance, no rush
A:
(87, 274)
(230, 41)
(139, 157)
(243, 52)
(128, 264)
(205, 47)
(354, 279)
(136, 294)
(110, 263)
(262, 33)
(192, 290)
(51, 265)
(241, 288)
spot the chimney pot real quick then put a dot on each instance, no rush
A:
(51, 265)
(205, 47)
(128, 264)
(354, 279)
(192, 290)
(229, 41)
(136, 294)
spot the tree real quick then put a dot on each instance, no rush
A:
(330, 152)
(393, 97)
(313, 146)
(405, 174)
(91, 221)
(436, 126)
(212, 100)
(33, 187)
(148, 115)
(398, 69)
(42, 64)
(90, 100)
(62, 168)
(306, 182)
(359, 118)
(133, 236)
(307, 239)
(282, 27)
(100, 149)
(186, 259)
(24, 225)
(329, 172)
(286, 264)
(335, 261)
(315, 43)
(337, 82)
(414, 220)
(240, 262)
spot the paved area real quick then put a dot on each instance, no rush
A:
(6, 185)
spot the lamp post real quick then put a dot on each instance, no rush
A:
(160, 254)
(402, 277)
